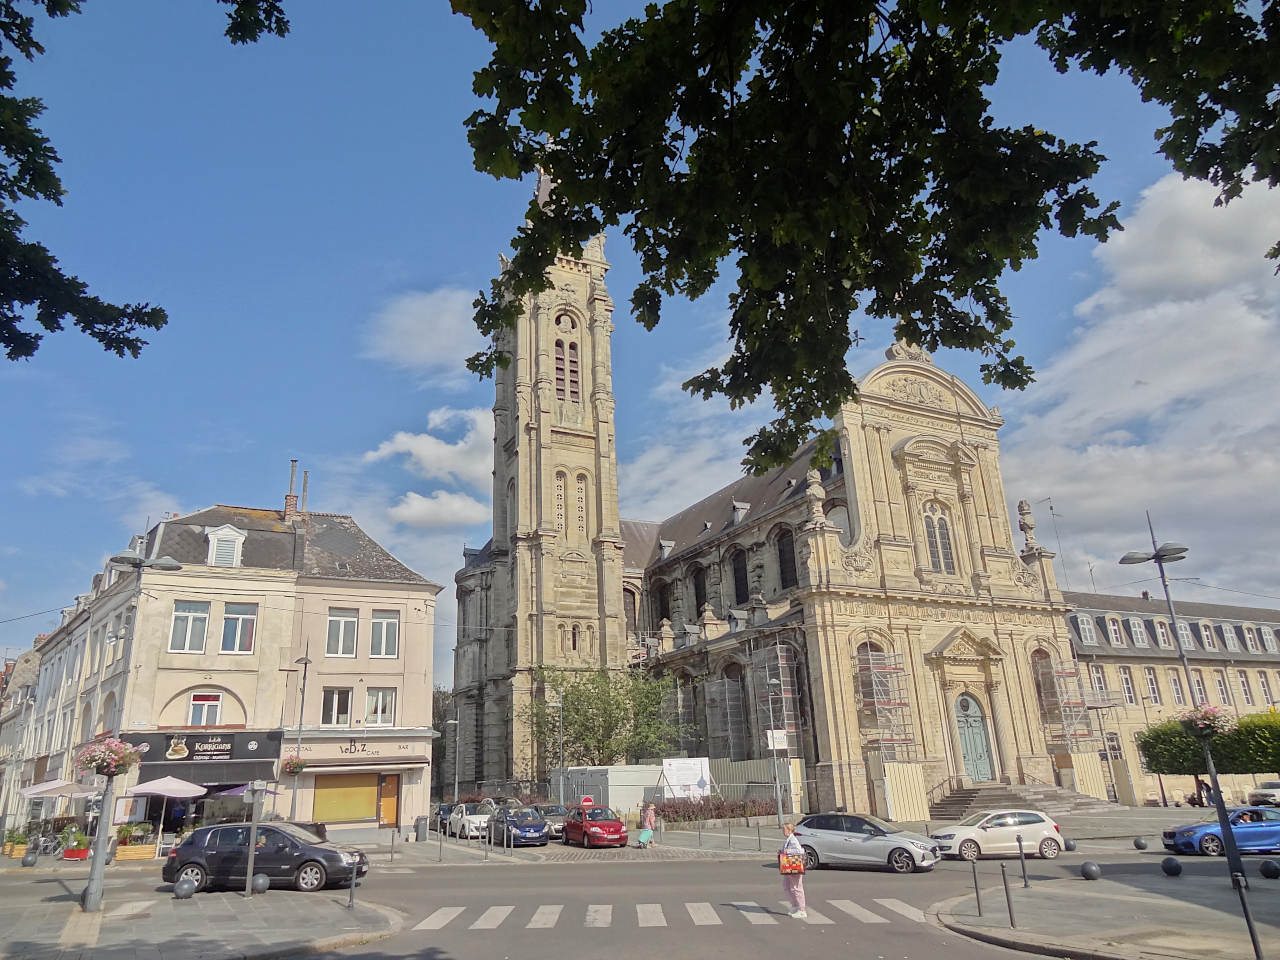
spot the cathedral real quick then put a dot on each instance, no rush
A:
(878, 620)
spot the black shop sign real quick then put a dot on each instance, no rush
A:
(186, 747)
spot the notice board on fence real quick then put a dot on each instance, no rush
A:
(686, 777)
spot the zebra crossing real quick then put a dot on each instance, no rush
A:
(551, 916)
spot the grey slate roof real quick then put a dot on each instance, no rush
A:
(640, 543)
(1099, 606)
(322, 545)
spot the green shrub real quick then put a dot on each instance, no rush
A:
(1253, 747)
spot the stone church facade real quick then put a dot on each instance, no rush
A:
(878, 612)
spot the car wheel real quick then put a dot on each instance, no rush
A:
(1049, 848)
(1211, 846)
(900, 861)
(195, 873)
(969, 850)
(310, 877)
(586, 840)
(564, 838)
(811, 861)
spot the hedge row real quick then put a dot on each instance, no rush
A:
(1253, 747)
(684, 810)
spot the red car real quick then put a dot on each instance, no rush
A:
(594, 827)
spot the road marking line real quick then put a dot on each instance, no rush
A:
(753, 911)
(906, 909)
(492, 918)
(545, 917)
(811, 915)
(857, 912)
(703, 914)
(650, 915)
(599, 915)
(439, 918)
(129, 909)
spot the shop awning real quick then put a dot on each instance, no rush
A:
(211, 773)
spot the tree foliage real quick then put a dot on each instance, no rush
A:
(610, 716)
(35, 294)
(843, 155)
(1253, 747)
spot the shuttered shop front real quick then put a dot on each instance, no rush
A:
(347, 796)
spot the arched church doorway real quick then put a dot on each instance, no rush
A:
(975, 746)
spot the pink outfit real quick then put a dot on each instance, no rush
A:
(793, 883)
(650, 816)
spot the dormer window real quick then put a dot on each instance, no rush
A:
(1087, 634)
(1139, 631)
(740, 510)
(1229, 637)
(1207, 635)
(226, 544)
(1117, 636)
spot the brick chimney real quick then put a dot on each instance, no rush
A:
(291, 499)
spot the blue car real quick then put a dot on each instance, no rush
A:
(1256, 830)
(522, 825)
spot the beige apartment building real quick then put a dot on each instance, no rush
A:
(206, 665)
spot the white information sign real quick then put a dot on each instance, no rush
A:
(686, 777)
(777, 739)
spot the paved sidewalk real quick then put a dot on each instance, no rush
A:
(1141, 915)
(209, 926)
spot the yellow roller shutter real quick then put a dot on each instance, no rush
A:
(349, 796)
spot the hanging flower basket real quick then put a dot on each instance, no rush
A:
(293, 765)
(1206, 721)
(108, 757)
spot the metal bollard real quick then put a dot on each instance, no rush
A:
(351, 890)
(759, 841)
(699, 833)
(440, 845)
(393, 845)
(729, 825)
(1022, 855)
(1008, 897)
(977, 894)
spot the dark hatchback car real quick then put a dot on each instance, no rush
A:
(518, 826)
(289, 855)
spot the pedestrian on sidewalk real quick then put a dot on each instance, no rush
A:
(791, 866)
(647, 821)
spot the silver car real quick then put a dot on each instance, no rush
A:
(1267, 792)
(856, 839)
(554, 814)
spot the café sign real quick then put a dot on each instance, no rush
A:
(189, 747)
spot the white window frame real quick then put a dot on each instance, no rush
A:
(1208, 636)
(1251, 640)
(1201, 692)
(1269, 639)
(211, 698)
(1153, 685)
(1224, 687)
(1098, 676)
(225, 533)
(240, 618)
(1246, 689)
(1139, 631)
(329, 704)
(379, 696)
(1088, 635)
(1126, 684)
(1184, 635)
(1117, 634)
(378, 634)
(1175, 686)
(1229, 638)
(1163, 637)
(189, 617)
(342, 617)
(1264, 687)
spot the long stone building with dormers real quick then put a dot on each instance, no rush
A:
(880, 621)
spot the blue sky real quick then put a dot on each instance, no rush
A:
(307, 211)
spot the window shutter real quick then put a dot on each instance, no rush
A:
(224, 553)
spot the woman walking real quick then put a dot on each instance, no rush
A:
(791, 866)
(647, 820)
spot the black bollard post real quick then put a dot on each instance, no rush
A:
(440, 844)
(729, 824)
(1022, 855)
(699, 833)
(759, 839)
(351, 891)
(393, 845)
(1008, 897)
(977, 894)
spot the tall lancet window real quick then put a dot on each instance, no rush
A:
(560, 377)
(573, 372)
(581, 506)
(937, 535)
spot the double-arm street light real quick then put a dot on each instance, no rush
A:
(1163, 554)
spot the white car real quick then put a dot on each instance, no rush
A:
(994, 832)
(468, 820)
(1267, 793)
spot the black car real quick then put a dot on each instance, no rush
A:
(517, 826)
(286, 853)
(442, 814)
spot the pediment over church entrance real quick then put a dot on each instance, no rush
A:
(963, 645)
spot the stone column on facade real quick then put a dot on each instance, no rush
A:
(1002, 730)
(976, 562)
(951, 689)
(917, 533)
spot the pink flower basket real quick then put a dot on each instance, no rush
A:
(108, 757)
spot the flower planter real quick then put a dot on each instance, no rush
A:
(8, 849)
(18, 851)
(76, 854)
(136, 851)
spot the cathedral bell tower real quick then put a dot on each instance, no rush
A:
(556, 550)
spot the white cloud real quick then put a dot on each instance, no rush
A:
(440, 509)
(467, 461)
(429, 331)
(1165, 399)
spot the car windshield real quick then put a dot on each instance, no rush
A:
(552, 810)
(524, 815)
(886, 827)
(974, 820)
(600, 813)
(1269, 785)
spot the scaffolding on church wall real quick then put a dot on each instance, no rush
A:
(1064, 706)
(727, 732)
(884, 706)
(777, 662)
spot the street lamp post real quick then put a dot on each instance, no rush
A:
(91, 899)
(304, 661)
(1171, 553)
(457, 737)
(775, 684)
